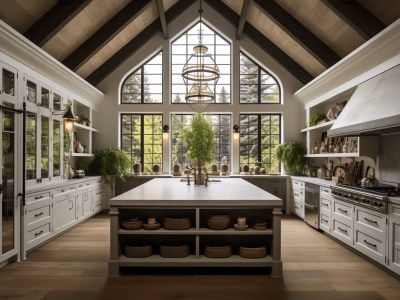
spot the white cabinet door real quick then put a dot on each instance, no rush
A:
(394, 238)
(64, 212)
(325, 209)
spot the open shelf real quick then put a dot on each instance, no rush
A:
(78, 125)
(319, 126)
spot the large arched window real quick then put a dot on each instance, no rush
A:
(218, 48)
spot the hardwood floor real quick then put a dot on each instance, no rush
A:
(74, 266)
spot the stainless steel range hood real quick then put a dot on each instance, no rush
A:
(374, 108)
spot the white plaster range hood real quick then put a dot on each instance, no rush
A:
(373, 109)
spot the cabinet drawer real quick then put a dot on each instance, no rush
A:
(370, 246)
(325, 222)
(370, 221)
(65, 191)
(83, 185)
(38, 234)
(343, 210)
(325, 192)
(342, 232)
(325, 204)
(298, 193)
(297, 183)
(37, 197)
(35, 215)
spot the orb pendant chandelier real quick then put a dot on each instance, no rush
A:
(199, 73)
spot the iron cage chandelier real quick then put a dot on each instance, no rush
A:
(200, 71)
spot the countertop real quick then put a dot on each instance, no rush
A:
(315, 180)
(57, 183)
(174, 192)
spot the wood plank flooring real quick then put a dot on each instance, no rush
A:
(74, 266)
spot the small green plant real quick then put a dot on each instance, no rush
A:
(199, 138)
(315, 118)
(83, 120)
(110, 163)
(291, 154)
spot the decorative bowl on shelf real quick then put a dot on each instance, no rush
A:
(138, 249)
(252, 251)
(218, 222)
(132, 224)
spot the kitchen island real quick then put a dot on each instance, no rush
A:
(174, 199)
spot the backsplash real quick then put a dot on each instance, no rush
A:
(389, 158)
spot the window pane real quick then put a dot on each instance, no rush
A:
(31, 133)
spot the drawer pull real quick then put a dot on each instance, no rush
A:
(296, 207)
(325, 204)
(342, 230)
(38, 197)
(39, 233)
(368, 243)
(371, 221)
(343, 210)
(39, 214)
(326, 221)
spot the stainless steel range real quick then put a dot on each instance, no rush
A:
(372, 198)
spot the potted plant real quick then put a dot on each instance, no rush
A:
(291, 154)
(200, 142)
(110, 163)
(316, 118)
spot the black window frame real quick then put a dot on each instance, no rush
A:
(259, 84)
(142, 82)
(142, 136)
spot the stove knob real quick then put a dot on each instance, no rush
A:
(357, 198)
(380, 205)
(375, 203)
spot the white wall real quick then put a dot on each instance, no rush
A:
(106, 117)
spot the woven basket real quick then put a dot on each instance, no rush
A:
(248, 251)
(218, 250)
(131, 225)
(173, 223)
(138, 250)
(218, 222)
(174, 250)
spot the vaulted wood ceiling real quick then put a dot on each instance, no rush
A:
(93, 37)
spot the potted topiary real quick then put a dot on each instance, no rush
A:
(291, 154)
(200, 142)
(110, 163)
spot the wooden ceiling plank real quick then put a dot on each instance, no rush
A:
(242, 21)
(54, 20)
(164, 27)
(130, 48)
(104, 34)
(263, 42)
(356, 16)
(318, 49)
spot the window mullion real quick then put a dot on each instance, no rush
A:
(259, 138)
(142, 140)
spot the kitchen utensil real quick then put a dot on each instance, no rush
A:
(369, 181)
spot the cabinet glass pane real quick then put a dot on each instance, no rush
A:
(8, 83)
(56, 101)
(8, 170)
(45, 98)
(31, 89)
(56, 148)
(31, 133)
(44, 163)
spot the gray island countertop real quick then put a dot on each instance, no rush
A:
(174, 192)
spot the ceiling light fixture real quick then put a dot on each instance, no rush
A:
(200, 72)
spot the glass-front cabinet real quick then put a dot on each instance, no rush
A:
(8, 82)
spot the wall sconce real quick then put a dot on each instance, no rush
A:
(236, 133)
(69, 119)
(165, 132)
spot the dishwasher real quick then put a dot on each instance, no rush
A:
(311, 205)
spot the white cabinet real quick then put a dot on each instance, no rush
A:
(97, 198)
(394, 238)
(342, 221)
(325, 210)
(370, 232)
(297, 206)
(64, 212)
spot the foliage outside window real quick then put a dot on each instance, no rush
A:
(144, 85)
(31, 133)
(256, 84)
(218, 48)
(141, 138)
(44, 163)
(259, 135)
(56, 148)
(222, 128)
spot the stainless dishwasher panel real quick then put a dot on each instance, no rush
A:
(311, 206)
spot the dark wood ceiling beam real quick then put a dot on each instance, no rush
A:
(264, 43)
(133, 45)
(164, 27)
(104, 34)
(53, 20)
(242, 20)
(318, 49)
(356, 16)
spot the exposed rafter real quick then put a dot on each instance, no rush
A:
(243, 15)
(357, 17)
(164, 26)
(53, 20)
(325, 55)
(118, 58)
(104, 34)
(269, 47)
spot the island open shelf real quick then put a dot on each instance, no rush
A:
(162, 198)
